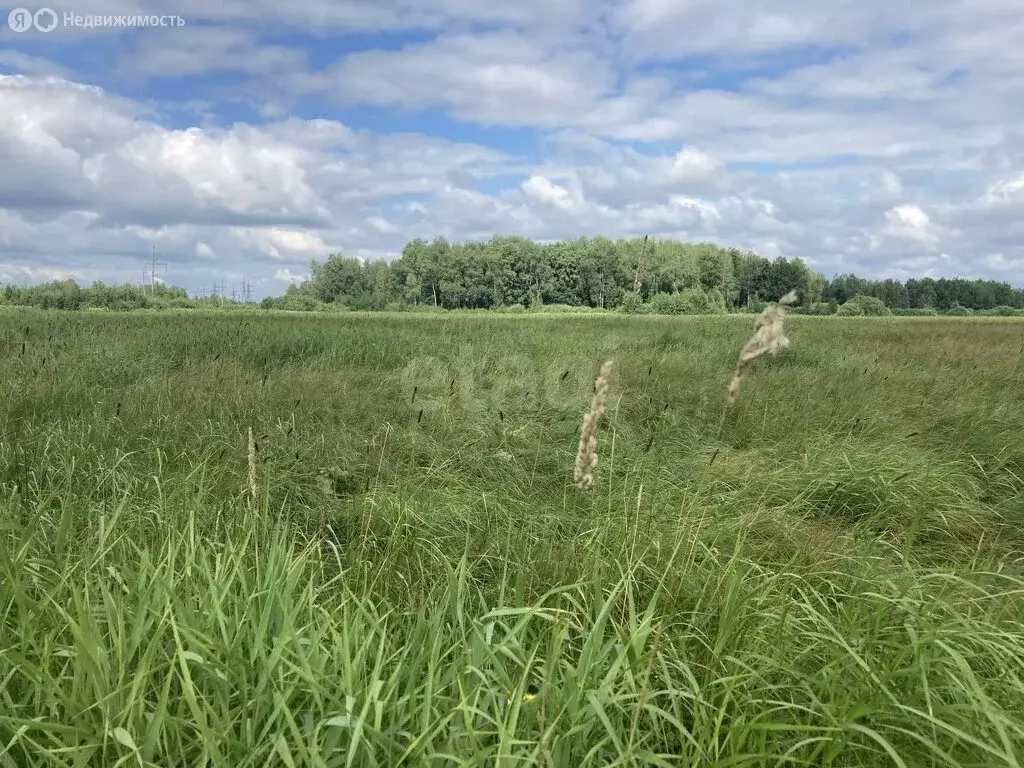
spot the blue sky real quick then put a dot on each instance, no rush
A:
(865, 136)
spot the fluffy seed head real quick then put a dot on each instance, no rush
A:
(586, 455)
(253, 489)
(769, 339)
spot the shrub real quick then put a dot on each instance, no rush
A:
(818, 308)
(691, 301)
(631, 302)
(1004, 311)
(563, 308)
(959, 311)
(294, 302)
(864, 306)
(369, 302)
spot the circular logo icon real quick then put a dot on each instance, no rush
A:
(20, 19)
(45, 20)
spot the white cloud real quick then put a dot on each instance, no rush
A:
(281, 244)
(499, 78)
(207, 49)
(866, 136)
(691, 164)
(287, 276)
(910, 222)
(20, 274)
(1005, 192)
(90, 173)
(545, 191)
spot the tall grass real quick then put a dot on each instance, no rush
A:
(836, 580)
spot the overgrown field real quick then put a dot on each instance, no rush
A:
(828, 573)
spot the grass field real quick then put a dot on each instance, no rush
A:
(829, 573)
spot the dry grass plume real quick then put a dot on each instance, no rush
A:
(253, 487)
(769, 339)
(586, 455)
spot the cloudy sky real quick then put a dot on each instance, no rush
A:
(874, 136)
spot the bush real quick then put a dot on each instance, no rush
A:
(691, 301)
(1004, 311)
(563, 308)
(864, 306)
(716, 302)
(958, 311)
(372, 302)
(818, 308)
(631, 302)
(917, 312)
(294, 302)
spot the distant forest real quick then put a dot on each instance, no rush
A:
(517, 274)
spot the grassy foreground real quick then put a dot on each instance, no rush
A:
(830, 573)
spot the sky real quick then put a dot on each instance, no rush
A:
(870, 136)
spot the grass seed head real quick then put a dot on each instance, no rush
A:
(586, 455)
(253, 489)
(769, 339)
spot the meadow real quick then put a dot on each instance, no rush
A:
(829, 572)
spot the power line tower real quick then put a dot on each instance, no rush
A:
(151, 269)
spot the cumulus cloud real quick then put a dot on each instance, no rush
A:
(910, 222)
(1006, 193)
(287, 276)
(88, 174)
(866, 136)
(503, 77)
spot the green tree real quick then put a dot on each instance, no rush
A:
(337, 279)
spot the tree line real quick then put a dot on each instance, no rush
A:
(512, 273)
(636, 275)
(68, 294)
